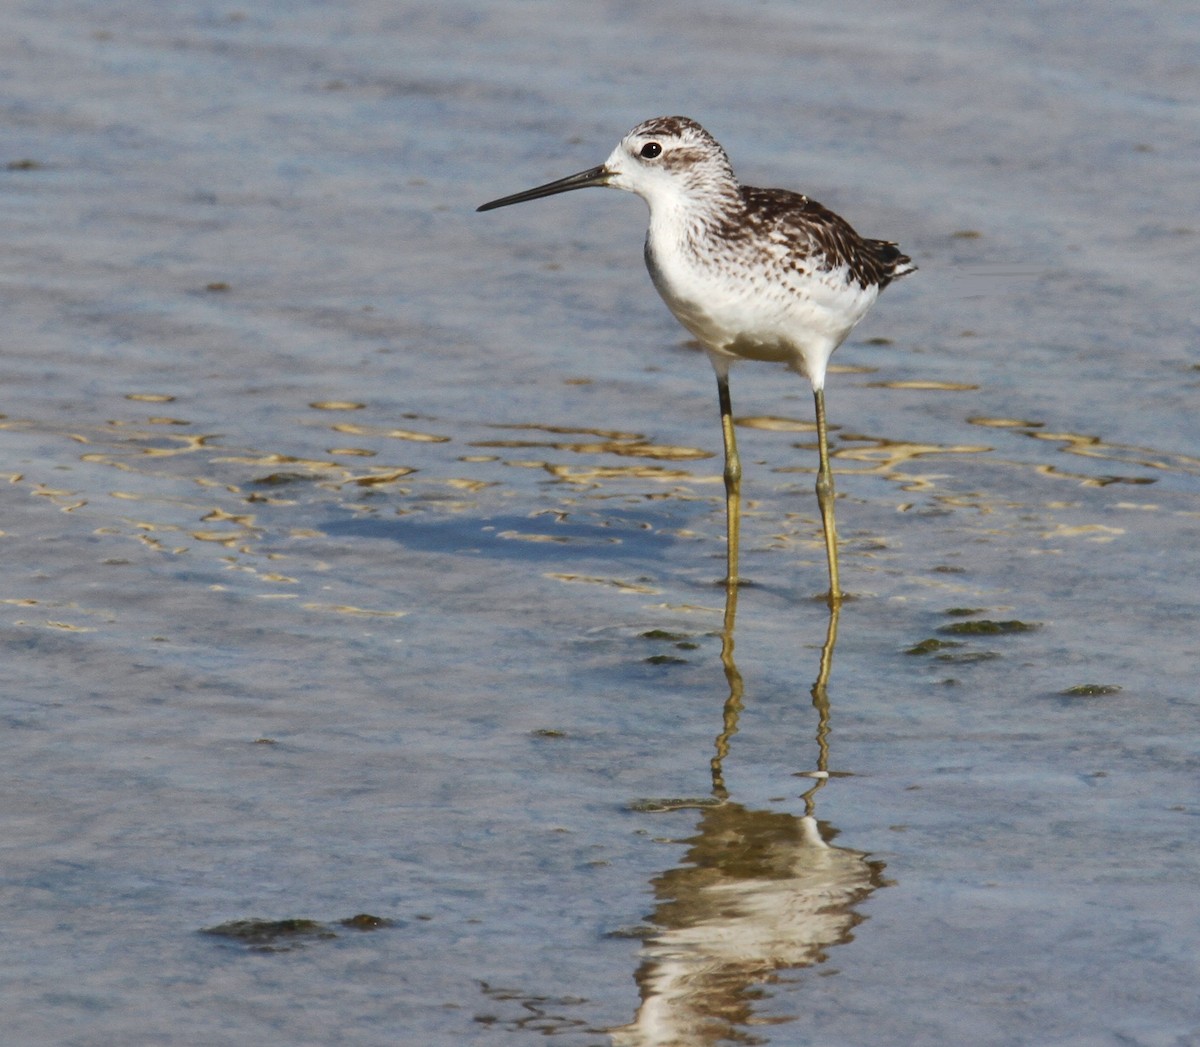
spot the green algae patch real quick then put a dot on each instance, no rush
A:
(680, 641)
(968, 657)
(286, 935)
(271, 935)
(281, 479)
(673, 803)
(987, 627)
(366, 922)
(932, 646)
(1090, 690)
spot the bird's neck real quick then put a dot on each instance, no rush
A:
(694, 215)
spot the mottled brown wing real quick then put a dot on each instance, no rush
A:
(826, 240)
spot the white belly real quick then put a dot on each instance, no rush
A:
(777, 314)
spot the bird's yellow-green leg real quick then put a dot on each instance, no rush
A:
(733, 482)
(825, 500)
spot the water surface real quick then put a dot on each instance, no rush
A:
(360, 551)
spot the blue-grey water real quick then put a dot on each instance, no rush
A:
(358, 550)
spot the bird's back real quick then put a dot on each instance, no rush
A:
(820, 240)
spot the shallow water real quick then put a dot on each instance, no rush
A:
(360, 550)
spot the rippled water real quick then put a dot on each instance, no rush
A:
(360, 551)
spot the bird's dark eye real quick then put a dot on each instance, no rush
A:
(650, 150)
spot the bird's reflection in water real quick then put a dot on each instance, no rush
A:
(762, 892)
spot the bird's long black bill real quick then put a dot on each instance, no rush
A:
(595, 176)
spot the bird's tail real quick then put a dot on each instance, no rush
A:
(896, 262)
